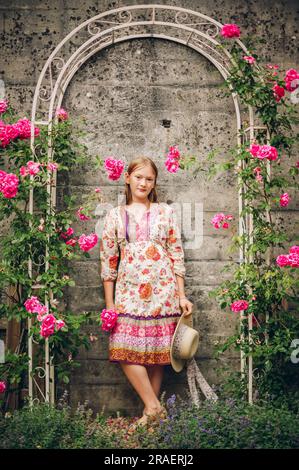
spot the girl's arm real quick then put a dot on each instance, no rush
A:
(109, 256)
(181, 286)
(175, 249)
(185, 304)
(109, 292)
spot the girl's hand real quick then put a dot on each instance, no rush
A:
(110, 306)
(186, 306)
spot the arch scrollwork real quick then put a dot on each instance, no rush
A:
(167, 22)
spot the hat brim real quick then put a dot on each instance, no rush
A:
(177, 363)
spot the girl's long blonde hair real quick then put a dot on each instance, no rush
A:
(135, 163)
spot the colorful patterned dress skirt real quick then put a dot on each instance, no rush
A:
(144, 259)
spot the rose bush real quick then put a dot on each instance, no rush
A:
(31, 235)
(268, 286)
(262, 285)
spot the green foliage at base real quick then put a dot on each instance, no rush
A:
(226, 424)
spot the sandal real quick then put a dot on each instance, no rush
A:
(138, 424)
(148, 420)
(155, 418)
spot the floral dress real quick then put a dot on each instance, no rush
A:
(143, 258)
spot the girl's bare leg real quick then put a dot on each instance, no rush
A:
(155, 374)
(139, 379)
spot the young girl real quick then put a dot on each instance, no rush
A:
(141, 250)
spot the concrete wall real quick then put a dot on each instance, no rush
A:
(124, 93)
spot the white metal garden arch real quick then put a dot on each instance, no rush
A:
(172, 23)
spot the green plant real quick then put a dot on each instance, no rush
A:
(56, 427)
(269, 290)
(43, 237)
(225, 424)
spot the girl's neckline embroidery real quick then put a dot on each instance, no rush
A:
(148, 213)
(152, 204)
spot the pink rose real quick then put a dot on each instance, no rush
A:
(9, 184)
(172, 160)
(258, 176)
(2, 178)
(267, 151)
(33, 167)
(293, 260)
(68, 233)
(23, 126)
(24, 171)
(110, 163)
(219, 220)
(59, 324)
(48, 326)
(172, 165)
(46, 332)
(254, 149)
(71, 242)
(239, 305)
(97, 190)
(32, 304)
(230, 31)
(61, 114)
(284, 199)
(4, 137)
(42, 312)
(3, 106)
(87, 242)
(109, 319)
(173, 153)
(249, 59)
(264, 151)
(52, 166)
(11, 132)
(282, 260)
(114, 167)
(291, 80)
(81, 215)
(278, 92)
(2, 387)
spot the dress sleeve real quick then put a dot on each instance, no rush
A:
(109, 252)
(174, 245)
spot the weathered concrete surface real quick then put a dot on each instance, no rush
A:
(124, 93)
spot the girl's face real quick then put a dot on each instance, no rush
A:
(141, 181)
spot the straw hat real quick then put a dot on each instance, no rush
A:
(184, 343)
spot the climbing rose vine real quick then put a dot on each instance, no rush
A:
(31, 235)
